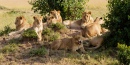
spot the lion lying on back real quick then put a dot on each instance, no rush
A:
(21, 25)
(72, 44)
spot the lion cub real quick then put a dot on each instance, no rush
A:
(72, 44)
(38, 26)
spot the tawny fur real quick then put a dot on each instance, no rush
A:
(96, 42)
(72, 44)
(21, 25)
(93, 29)
(54, 17)
(78, 24)
(38, 26)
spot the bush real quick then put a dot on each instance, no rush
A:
(70, 9)
(6, 30)
(57, 26)
(124, 54)
(38, 52)
(30, 34)
(50, 35)
(11, 47)
(118, 22)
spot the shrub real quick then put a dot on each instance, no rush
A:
(57, 26)
(118, 22)
(6, 30)
(38, 52)
(124, 54)
(11, 47)
(30, 34)
(50, 35)
(70, 9)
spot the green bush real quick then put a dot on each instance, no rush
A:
(38, 52)
(57, 26)
(70, 9)
(124, 54)
(50, 35)
(11, 47)
(6, 30)
(30, 33)
(118, 22)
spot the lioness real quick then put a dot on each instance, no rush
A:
(93, 29)
(96, 42)
(38, 26)
(78, 24)
(54, 17)
(21, 25)
(72, 44)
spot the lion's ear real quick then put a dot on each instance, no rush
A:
(89, 12)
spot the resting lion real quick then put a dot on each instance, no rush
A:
(78, 24)
(93, 29)
(72, 44)
(21, 25)
(54, 17)
(96, 42)
(38, 26)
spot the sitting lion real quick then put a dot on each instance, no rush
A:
(78, 24)
(38, 26)
(93, 29)
(21, 25)
(72, 44)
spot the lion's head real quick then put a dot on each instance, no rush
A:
(78, 40)
(86, 18)
(20, 22)
(37, 20)
(54, 17)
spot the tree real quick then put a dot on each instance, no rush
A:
(70, 9)
(118, 22)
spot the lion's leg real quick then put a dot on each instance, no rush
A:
(39, 35)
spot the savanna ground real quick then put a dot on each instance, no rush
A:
(16, 53)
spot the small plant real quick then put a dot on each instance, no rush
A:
(57, 26)
(38, 52)
(50, 35)
(6, 30)
(29, 34)
(11, 47)
(1, 56)
(124, 54)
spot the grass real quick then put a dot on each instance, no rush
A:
(10, 9)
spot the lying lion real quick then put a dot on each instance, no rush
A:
(72, 44)
(21, 25)
(78, 24)
(96, 42)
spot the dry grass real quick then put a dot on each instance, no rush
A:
(98, 8)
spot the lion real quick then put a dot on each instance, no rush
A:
(93, 29)
(73, 44)
(54, 17)
(96, 42)
(78, 24)
(38, 26)
(21, 25)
